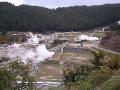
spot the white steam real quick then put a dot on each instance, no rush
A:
(33, 39)
(36, 54)
(88, 38)
(119, 22)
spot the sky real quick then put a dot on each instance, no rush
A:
(61, 3)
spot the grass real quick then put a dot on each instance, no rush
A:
(112, 60)
(111, 84)
(64, 56)
(49, 72)
(104, 78)
(107, 53)
(52, 69)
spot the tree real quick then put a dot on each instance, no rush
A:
(39, 19)
(74, 72)
(13, 72)
(98, 58)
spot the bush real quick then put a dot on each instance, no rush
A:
(111, 84)
(12, 72)
(98, 59)
(94, 79)
(97, 77)
(113, 62)
(74, 72)
(7, 79)
(80, 86)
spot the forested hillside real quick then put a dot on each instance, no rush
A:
(77, 18)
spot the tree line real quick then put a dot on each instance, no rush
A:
(40, 19)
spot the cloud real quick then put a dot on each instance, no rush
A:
(65, 3)
(15, 2)
(61, 3)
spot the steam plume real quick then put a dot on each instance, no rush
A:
(85, 37)
(37, 53)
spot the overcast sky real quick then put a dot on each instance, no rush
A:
(61, 3)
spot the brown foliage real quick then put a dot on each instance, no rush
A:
(111, 41)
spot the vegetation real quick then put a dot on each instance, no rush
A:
(3, 39)
(54, 88)
(74, 72)
(40, 19)
(13, 72)
(107, 77)
(114, 62)
(98, 59)
(7, 38)
(111, 40)
(112, 84)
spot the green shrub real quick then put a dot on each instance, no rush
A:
(12, 72)
(113, 62)
(96, 78)
(93, 80)
(111, 84)
(74, 72)
(98, 59)
(80, 86)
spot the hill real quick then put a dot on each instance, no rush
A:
(40, 19)
(112, 39)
